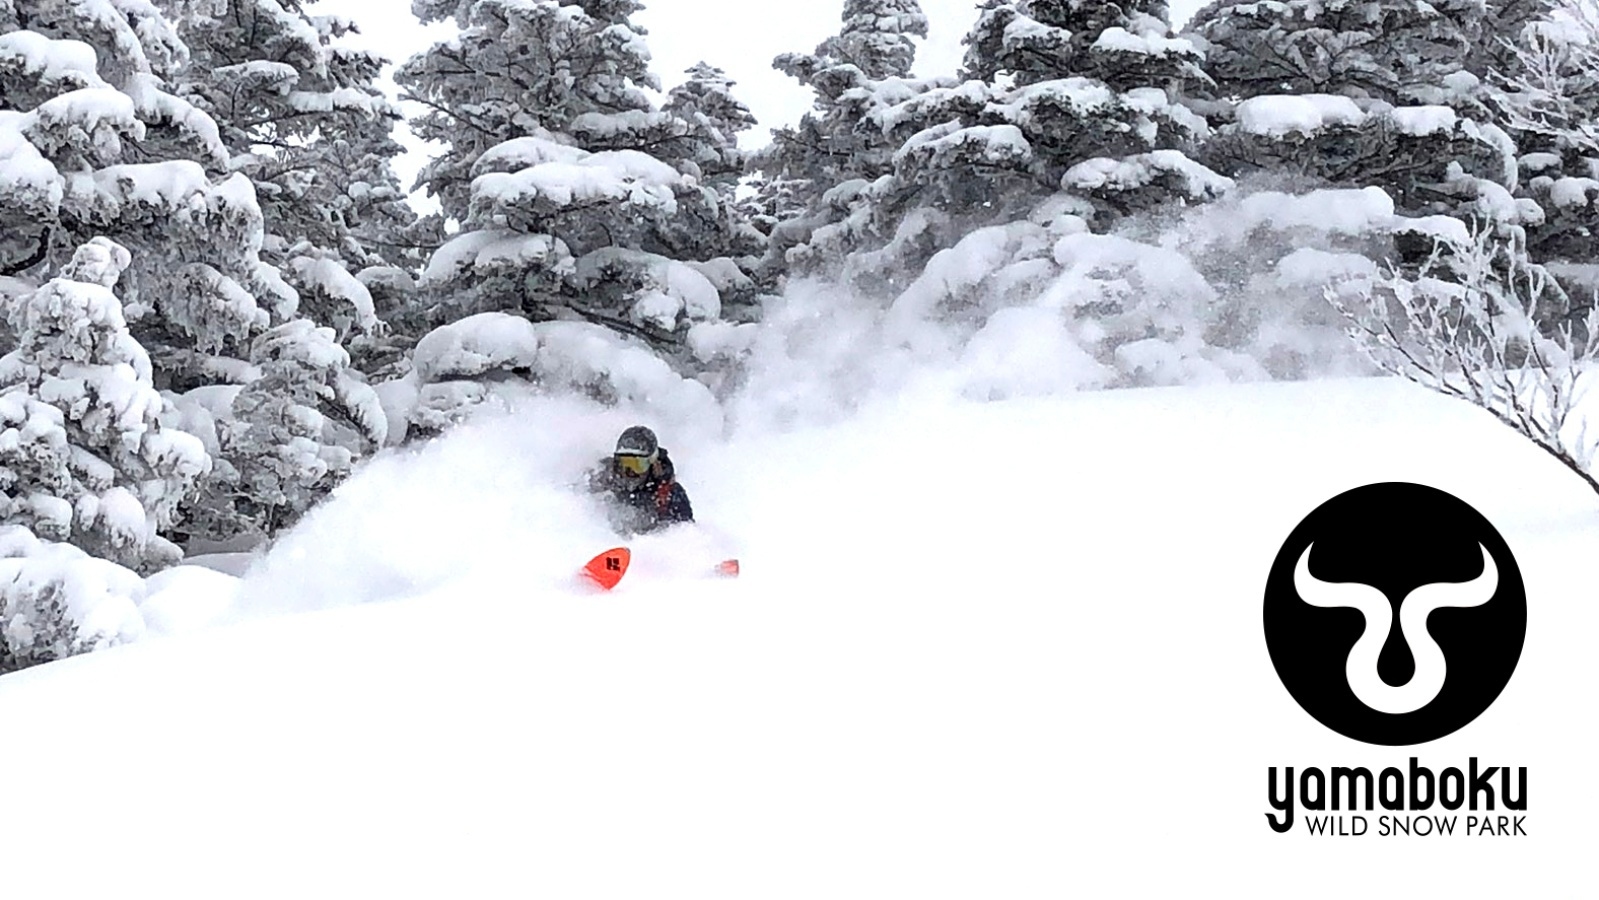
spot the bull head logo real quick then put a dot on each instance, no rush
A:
(1431, 667)
(1398, 553)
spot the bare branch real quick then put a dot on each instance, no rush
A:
(1472, 324)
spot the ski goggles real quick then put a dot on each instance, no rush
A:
(636, 465)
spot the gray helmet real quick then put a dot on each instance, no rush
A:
(637, 441)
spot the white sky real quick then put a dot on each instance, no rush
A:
(739, 36)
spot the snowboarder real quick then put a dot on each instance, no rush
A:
(640, 484)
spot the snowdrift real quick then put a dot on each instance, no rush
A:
(1008, 649)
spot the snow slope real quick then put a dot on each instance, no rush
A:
(979, 650)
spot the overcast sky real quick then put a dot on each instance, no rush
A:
(739, 36)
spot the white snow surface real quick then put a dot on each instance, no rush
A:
(332, 279)
(1141, 170)
(49, 59)
(475, 345)
(1117, 39)
(628, 175)
(1335, 211)
(1420, 121)
(954, 666)
(25, 175)
(1277, 115)
(487, 250)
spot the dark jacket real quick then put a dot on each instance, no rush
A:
(652, 503)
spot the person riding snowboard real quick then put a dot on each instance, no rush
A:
(640, 484)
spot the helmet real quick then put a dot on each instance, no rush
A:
(637, 441)
(636, 451)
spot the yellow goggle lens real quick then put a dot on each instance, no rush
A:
(637, 465)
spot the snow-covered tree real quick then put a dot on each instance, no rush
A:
(553, 152)
(1548, 97)
(1073, 107)
(105, 131)
(87, 460)
(515, 69)
(1094, 93)
(288, 437)
(57, 601)
(1430, 158)
(1358, 93)
(1497, 52)
(877, 39)
(302, 117)
(1126, 45)
(1026, 309)
(1397, 51)
(706, 103)
(1271, 256)
(849, 73)
(92, 143)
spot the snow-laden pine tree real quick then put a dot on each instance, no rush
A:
(1072, 106)
(1358, 93)
(1547, 95)
(706, 103)
(288, 437)
(983, 229)
(93, 143)
(576, 197)
(301, 115)
(872, 52)
(1095, 93)
(85, 459)
(836, 145)
(876, 38)
(1397, 51)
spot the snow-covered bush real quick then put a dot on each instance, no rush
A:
(1027, 308)
(85, 457)
(1271, 255)
(1468, 326)
(57, 601)
(461, 366)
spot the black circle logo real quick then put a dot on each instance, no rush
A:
(1395, 614)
